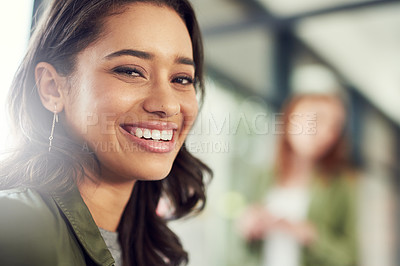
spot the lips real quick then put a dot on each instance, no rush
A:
(153, 136)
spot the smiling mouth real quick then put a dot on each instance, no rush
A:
(150, 134)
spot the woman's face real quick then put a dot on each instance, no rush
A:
(315, 125)
(132, 97)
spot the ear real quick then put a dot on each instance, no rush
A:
(49, 84)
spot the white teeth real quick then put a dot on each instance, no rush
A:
(155, 134)
(166, 134)
(147, 133)
(139, 133)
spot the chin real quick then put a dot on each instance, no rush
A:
(152, 173)
(145, 170)
(153, 176)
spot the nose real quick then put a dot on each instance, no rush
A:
(162, 101)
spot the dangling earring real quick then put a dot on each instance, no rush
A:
(55, 120)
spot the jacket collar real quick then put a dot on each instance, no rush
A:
(86, 230)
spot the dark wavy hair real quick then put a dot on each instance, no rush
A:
(66, 29)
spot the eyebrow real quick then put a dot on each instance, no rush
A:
(184, 60)
(148, 56)
(135, 53)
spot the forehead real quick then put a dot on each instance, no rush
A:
(328, 105)
(147, 26)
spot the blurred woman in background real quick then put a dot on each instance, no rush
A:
(307, 216)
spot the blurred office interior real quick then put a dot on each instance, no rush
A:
(259, 53)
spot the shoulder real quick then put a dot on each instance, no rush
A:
(342, 178)
(27, 226)
(24, 202)
(348, 180)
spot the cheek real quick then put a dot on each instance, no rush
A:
(79, 114)
(92, 110)
(189, 109)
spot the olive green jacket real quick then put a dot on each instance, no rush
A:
(333, 212)
(53, 230)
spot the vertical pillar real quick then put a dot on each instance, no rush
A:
(397, 183)
(355, 127)
(282, 63)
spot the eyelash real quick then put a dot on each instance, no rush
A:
(134, 72)
(128, 71)
(189, 80)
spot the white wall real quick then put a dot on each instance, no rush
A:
(15, 23)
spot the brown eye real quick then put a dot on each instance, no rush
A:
(128, 71)
(184, 80)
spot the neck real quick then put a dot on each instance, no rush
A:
(106, 201)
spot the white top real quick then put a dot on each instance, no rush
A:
(290, 203)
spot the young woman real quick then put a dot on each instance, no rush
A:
(101, 105)
(307, 216)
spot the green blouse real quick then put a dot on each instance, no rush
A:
(333, 212)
